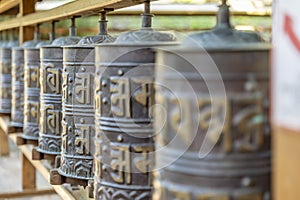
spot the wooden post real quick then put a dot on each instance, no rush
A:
(26, 7)
(28, 174)
(4, 143)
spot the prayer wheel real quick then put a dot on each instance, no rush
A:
(123, 98)
(215, 143)
(5, 74)
(50, 127)
(17, 109)
(78, 131)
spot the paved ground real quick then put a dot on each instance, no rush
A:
(10, 177)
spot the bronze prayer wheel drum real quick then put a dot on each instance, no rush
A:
(50, 128)
(123, 99)
(213, 146)
(5, 76)
(17, 95)
(31, 95)
(17, 109)
(78, 133)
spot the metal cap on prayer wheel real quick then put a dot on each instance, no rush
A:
(78, 132)
(50, 128)
(17, 109)
(123, 122)
(215, 143)
(5, 74)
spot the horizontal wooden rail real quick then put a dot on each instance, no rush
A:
(76, 8)
(6, 5)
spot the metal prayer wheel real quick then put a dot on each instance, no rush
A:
(51, 57)
(17, 108)
(213, 146)
(31, 91)
(78, 132)
(5, 75)
(123, 97)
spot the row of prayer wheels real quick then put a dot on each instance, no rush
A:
(143, 116)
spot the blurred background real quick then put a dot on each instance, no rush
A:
(179, 15)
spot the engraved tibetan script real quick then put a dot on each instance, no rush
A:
(83, 88)
(82, 139)
(145, 162)
(53, 80)
(120, 97)
(120, 89)
(34, 110)
(120, 163)
(34, 77)
(98, 98)
(65, 87)
(53, 119)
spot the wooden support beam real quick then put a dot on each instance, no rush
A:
(28, 174)
(4, 144)
(26, 32)
(6, 127)
(26, 193)
(79, 7)
(6, 5)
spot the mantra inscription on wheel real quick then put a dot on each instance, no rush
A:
(214, 145)
(49, 142)
(124, 95)
(78, 133)
(5, 73)
(17, 109)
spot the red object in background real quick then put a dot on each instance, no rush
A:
(288, 28)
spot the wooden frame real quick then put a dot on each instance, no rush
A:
(79, 7)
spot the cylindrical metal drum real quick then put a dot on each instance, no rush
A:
(123, 97)
(78, 108)
(50, 127)
(5, 76)
(215, 143)
(31, 95)
(17, 109)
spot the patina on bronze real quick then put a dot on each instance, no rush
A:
(78, 132)
(17, 109)
(238, 165)
(31, 94)
(123, 97)
(50, 128)
(5, 74)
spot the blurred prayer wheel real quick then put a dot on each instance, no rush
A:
(123, 99)
(5, 75)
(214, 145)
(50, 128)
(31, 93)
(17, 109)
(78, 131)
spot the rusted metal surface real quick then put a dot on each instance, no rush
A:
(194, 161)
(123, 97)
(50, 127)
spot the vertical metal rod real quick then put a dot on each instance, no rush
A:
(72, 30)
(52, 33)
(146, 16)
(37, 32)
(103, 23)
(223, 16)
